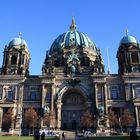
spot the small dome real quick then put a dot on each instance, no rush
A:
(72, 38)
(18, 42)
(128, 39)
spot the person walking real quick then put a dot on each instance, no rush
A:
(36, 135)
(43, 136)
(133, 135)
(63, 136)
(76, 134)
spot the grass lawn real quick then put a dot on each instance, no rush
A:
(18, 138)
(112, 138)
(94, 138)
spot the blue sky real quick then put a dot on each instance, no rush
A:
(41, 21)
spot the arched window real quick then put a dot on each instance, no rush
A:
(34, 93)
(134, 57)
(13, 60)
(9, 92)
(137, 92)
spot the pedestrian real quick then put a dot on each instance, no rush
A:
(43, 136)
(133, 135)
(87, 137)
(76, 133)
(63, 136)
(36, 134)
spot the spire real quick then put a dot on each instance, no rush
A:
(108, 63)
(73, 21)
(73, 25)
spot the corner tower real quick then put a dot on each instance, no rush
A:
(128, 55)
(16, 58)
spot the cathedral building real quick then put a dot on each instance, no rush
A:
(72, 80)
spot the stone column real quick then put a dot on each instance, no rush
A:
(9, 60)
(137, 117)
(18, 60)
(15, 94)
(43, 96)
(13, 120)
(96, 96)
(4, 58)
(59, 105)
(108, 94)
(21, 94)
(1, 115)
(133, 92)
(20, 108)
(4, 93)
(105, 98)
(52, 97)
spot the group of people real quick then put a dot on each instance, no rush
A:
(37, 135)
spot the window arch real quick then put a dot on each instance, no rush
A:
(134, 57)
(13, 60)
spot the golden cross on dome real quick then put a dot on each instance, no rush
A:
(126, 32)
(20, 35)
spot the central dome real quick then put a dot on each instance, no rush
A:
(72, 39)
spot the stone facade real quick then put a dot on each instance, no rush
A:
(72, 81)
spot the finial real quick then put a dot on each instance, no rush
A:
(126, 31)
(73, 25)
(20, 35)
(73, 21)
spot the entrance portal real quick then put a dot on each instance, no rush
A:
(72, 110)
(74, 125)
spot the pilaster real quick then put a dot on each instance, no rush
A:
(137, 117)
(52, 97)
(105, 98)
(96, 96)
(1, 114)
(59, 105)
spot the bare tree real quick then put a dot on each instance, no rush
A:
(127, 119)
(7, 119)
(30, 118)
(52, 119)
(46, 119)
(87, 120)
(49, 119)
(113, 120)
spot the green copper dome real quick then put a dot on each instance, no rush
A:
(71, 39)
(128, 39)
(17, 43)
